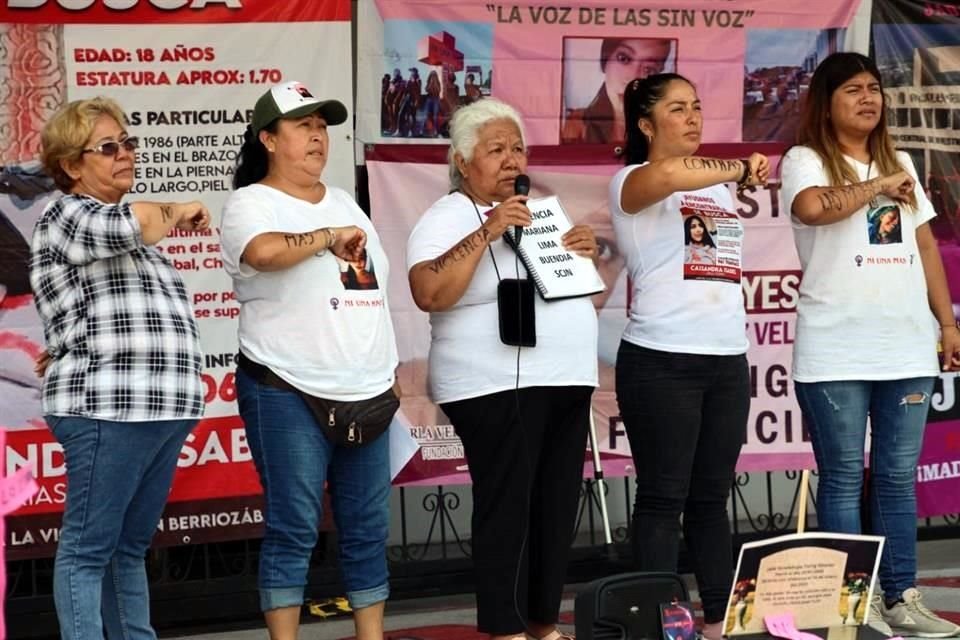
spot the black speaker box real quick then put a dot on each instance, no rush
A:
(626, 606)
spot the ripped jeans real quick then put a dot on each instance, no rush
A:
(836, 415)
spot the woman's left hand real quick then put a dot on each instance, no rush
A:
(950, 341)
(194, 216)
(759, 166)
(41, 363)
(581, 240)
(350, 243)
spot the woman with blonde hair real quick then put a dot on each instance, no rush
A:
(866, 338)
(122, 388)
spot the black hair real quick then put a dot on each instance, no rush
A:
(252, 161)
(688, 237)
(819, 133)
(638, 102)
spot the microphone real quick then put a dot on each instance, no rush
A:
(521, 187)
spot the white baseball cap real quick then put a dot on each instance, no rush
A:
(293, 100)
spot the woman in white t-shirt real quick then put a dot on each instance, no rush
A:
(309, 273)
(682, 381)
(866, 338)
(521, 412)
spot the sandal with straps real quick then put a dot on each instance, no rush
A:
(556, 634)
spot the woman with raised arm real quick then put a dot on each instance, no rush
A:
(121, 370)
(682, 381)
(872, 294)
(317, 357)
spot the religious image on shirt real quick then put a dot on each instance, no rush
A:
(883, 224)
(358, 274)
(712, 240)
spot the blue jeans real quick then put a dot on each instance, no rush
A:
(294, 458)
(118, 479)
(836, 415)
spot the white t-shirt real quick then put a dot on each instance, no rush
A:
(322, 325)
(863, 312)
(467, 358)
(684, 259)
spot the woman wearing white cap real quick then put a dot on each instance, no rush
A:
(317, 357)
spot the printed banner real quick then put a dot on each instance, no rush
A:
(916, 44)
(775, 437)
(188, 85)
(565, 67)
(15, 489)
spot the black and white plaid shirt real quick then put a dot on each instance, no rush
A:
(118, 324)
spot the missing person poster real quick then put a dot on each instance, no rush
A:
(187, 75)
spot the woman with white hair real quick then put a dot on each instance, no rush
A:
(521, 412)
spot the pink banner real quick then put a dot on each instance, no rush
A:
(565, 67)
(15, 489)
(938, 474)
(775, 438)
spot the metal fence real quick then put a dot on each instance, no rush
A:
(429, 554)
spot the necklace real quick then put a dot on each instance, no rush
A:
(480, 220)
(874, 203)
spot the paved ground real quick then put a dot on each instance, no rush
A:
(939, 564)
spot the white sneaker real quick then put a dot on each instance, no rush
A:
(875, 619)
(910, 617)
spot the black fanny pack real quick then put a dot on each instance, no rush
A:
(348, 424)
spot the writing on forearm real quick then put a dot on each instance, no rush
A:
(461, 251)
(166, 212)
(294, 240)
(854, 195)
(712, 164)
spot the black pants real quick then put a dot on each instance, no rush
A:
(686, 418)
(526, 476)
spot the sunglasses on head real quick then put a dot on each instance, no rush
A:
(112, 148)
